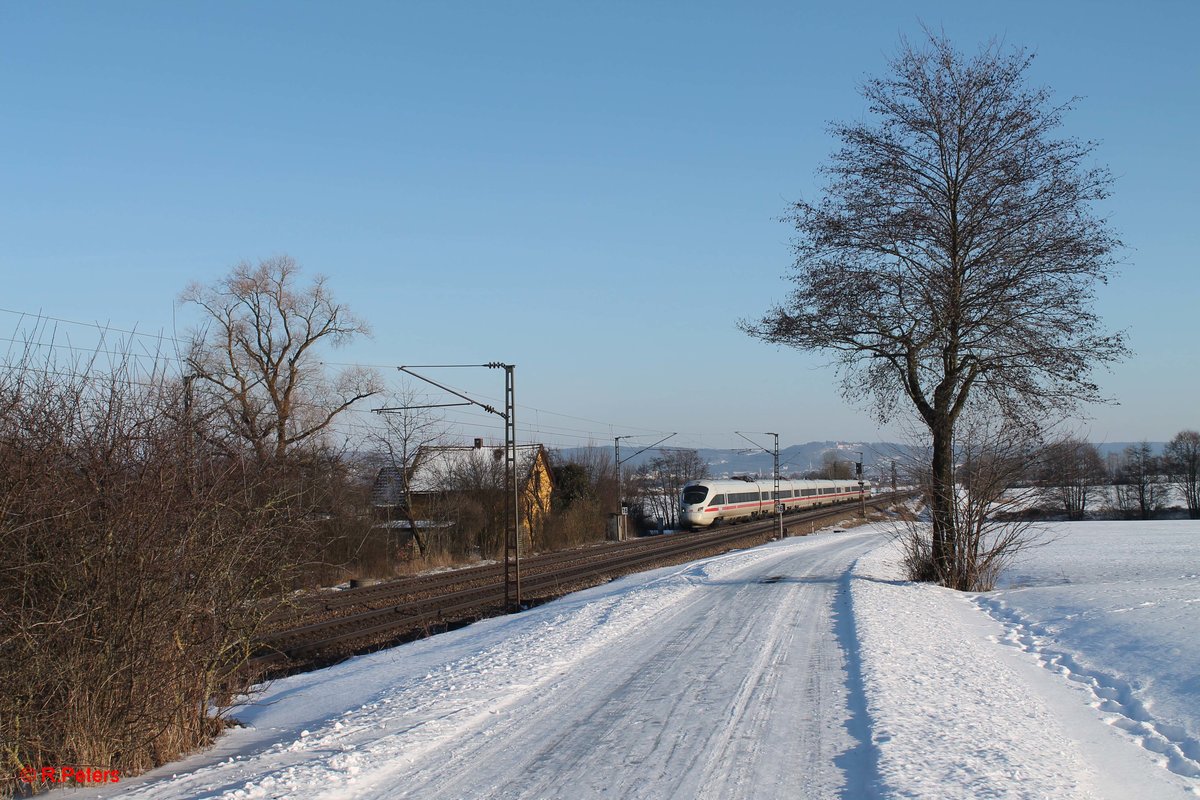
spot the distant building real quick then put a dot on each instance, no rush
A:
(438, 476)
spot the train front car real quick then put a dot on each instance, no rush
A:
(692, 505)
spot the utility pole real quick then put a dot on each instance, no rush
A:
(512, 503)
(620, 532)
(621, 523)
(862, 498)
(774, 494)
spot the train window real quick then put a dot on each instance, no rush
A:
(719, 500)
(828, 490)
(694, 494)
(785, 495)
(807, 492)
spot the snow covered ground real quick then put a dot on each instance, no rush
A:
(1079, 678)
(804, 668)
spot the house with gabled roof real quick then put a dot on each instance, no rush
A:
(438, 474)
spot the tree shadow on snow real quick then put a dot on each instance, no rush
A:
(859, 763)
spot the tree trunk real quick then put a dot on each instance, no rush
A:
(942, 501)
(411, 519)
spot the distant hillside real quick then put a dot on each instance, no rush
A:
(801, 457)
(796, 458)
(804, 457)
(1118, 448)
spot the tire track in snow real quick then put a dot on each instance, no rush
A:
(644, 725)
(640, 689)
(729, 764)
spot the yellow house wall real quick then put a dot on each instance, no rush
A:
(536, 496)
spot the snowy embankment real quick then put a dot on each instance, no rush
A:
(804, 668)
(1080, 679)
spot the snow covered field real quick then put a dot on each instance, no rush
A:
(1080, 677)
(804, 668)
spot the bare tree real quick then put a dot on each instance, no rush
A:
(1071, 469)
(954, 255)
(1183, 468)
(1138, 483)
(474, 488)
(409, 430)
(833, 466)
(258, 355)
(660, 482)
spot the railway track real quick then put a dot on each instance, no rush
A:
(370, 596)
(364, 618)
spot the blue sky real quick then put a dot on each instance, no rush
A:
(591, 191)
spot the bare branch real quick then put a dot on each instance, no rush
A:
(259, 355)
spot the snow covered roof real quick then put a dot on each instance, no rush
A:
(438, 468)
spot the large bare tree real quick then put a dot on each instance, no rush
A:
(1182, 456)
(954, 254)
(1070, 472)
(258, 354)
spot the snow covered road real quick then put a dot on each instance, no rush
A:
(735, 689)
(725, 678)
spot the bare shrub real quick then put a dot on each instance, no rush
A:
(136, 567)
(992, 457)
(917, 560)
(580, 523)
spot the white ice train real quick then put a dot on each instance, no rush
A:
(706, 502)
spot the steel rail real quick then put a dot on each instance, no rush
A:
(424, 583)
(418, 614)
